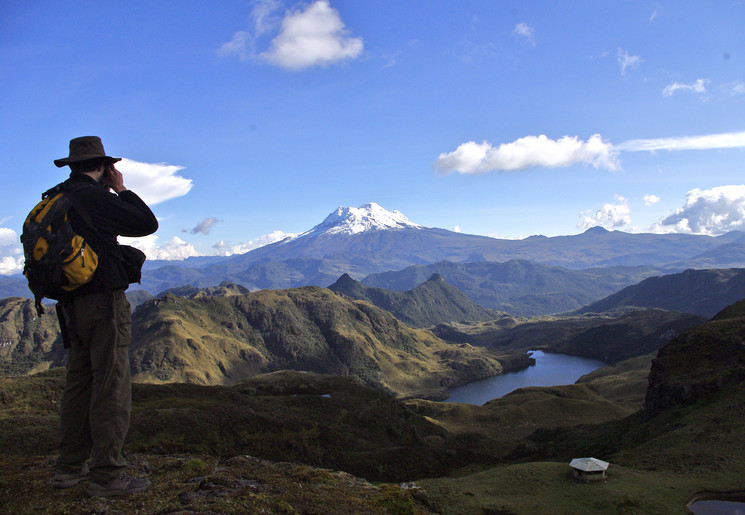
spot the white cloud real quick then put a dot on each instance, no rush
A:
(11, 252)
(651, 199)
(205, 226)
(311, 36)
(699, 86)
(530, 151)
(241, 45)
(456, 228)
(173, 249)
(733, 88)
(224, 248)
(536, 151)
(610, 216)
(315, 36)
(178, 249)
(706, 142)
(714, 211)
(526, 31)
(154, 182)
(626, 61)
(264, 15)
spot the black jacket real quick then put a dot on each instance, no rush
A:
(112, 215)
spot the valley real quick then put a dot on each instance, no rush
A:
(292, 397)
(666, 442)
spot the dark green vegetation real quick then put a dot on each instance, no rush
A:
(196, 443)
(703, 292)
(432, 302)
(221, 340)
(324, 421)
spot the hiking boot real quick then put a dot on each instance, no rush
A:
(70, 479)
(123, 485)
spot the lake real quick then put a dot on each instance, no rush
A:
(714, 507)
(549, 370)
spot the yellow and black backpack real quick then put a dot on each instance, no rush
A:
(57, 259)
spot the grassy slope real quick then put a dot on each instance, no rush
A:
(703, 292)
(660, 466)
(609, 393)
(284, 416)
(221, 340)
(689, 439)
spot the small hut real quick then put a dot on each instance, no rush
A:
(589, 469)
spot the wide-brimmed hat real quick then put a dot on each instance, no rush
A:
(84, 148)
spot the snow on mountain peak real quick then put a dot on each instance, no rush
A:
(368, 217)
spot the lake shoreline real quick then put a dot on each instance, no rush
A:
(517, 363)
(556, 369)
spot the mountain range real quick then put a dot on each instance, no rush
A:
(370, 240)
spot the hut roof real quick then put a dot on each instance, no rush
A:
(589, 464)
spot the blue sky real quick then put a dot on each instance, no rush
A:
(244, 121)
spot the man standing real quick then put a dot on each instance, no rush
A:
(95, 407)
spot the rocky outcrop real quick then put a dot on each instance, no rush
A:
(700, 362)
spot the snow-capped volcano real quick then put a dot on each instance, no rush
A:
(356, 220)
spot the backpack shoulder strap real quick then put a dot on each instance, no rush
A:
(69, 189)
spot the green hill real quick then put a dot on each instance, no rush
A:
(28, 342)
(432, 302)
(222, 340)
(702, 292)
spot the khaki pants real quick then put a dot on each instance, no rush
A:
(94, 413)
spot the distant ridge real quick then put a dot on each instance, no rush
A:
(701, 292)
(518, 287)
(432, 302)
(370, 240)
(225, 289)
